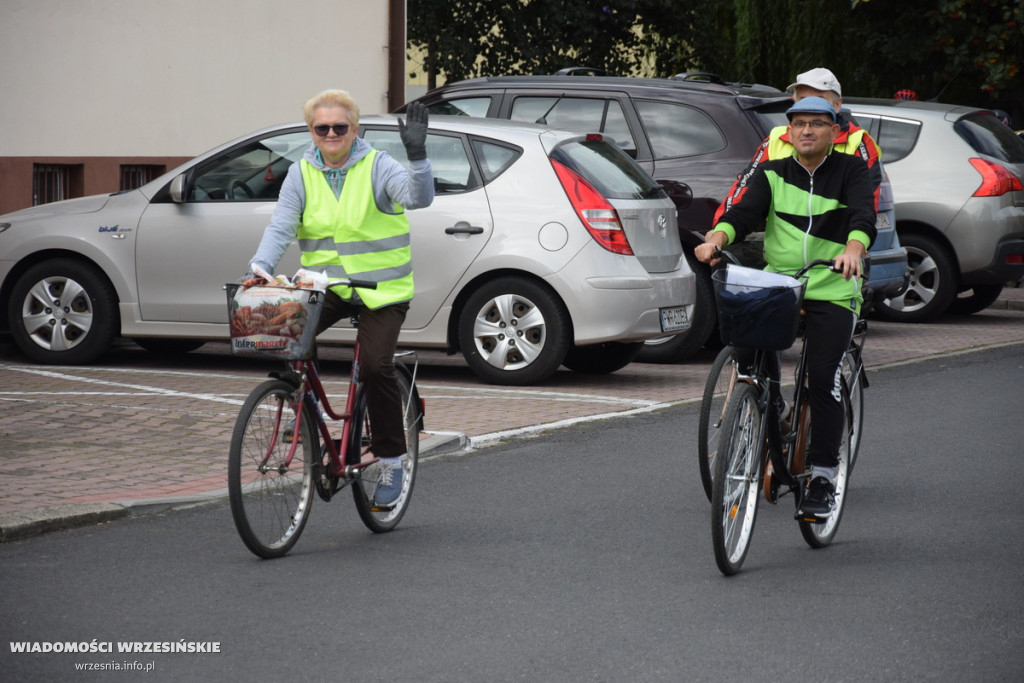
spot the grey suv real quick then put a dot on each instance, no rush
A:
(692, 135)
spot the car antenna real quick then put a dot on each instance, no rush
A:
(943, 89)
(544, 117)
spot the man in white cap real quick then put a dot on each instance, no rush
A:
(852, 139)
(815, 203)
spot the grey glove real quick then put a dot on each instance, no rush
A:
(414, 134)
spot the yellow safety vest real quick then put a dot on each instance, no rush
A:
(349, 237)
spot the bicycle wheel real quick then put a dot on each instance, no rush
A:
(717, 389)
(853, 375)
(820, 534)
(736, 484)
(375, 518)
(271, 498)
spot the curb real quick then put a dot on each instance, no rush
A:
(16, 526)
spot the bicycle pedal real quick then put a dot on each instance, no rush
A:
(382, 508)
(810, 519)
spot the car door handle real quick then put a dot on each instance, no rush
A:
(463, 229)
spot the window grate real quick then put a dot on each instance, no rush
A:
(133, 176)
(50, 183)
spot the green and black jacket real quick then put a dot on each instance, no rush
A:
(808, 216)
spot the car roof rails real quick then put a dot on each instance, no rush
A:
(700, 76)
(706, 77)
(580, 71)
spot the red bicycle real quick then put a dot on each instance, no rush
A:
(283, 449)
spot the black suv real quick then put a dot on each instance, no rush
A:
(693, 133)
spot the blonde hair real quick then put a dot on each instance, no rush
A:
(332, 98)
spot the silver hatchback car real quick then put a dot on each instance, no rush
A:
(956, 173)
(542, 247)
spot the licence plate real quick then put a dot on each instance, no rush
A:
(674, 319)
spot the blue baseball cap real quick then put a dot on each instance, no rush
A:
(812, 105)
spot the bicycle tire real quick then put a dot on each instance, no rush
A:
(380, 520)
(737, 480)
(820, 534)
(853, 375)
(270, 506)
(721, 378)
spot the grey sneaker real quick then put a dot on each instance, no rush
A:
(785, 412)
(288, 432)
(389, 484)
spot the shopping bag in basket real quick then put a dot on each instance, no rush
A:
(756, 308)
(273, 321)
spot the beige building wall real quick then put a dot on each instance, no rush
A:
(148, 79)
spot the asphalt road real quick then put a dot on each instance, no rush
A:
(581, 554)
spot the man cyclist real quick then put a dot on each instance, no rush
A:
(816, 203)
(344, 201)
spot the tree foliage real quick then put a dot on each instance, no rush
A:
(465, 38)
(967, 50)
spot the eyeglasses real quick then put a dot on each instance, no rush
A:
(817, 124)
(338, 128)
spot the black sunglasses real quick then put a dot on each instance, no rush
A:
(338, 128)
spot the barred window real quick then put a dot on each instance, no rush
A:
(133, 176)
(53, 182)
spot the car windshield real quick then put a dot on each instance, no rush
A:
(609, 170)
(251, 172)
(988, 135)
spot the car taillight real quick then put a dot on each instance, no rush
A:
(995, 180)
(598, 216)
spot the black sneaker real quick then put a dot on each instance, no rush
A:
(819, 499)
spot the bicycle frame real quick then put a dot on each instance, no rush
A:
(778, 444)
(312, 394)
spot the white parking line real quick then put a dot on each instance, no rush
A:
(495, 437)
(151, 391)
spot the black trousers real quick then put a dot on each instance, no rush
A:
(828, 329)
(378, 337)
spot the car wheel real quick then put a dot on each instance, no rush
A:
(602, 359)
(63, 312)
(674, 348)
(976, 299)
(932, 287)
(514, 331)
(169, 347)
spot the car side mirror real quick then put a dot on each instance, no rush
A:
(177, 189)
(678, 192)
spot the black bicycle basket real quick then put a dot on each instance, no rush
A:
(757, 309)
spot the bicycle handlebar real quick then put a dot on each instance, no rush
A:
(351, 282)
(729, 256)
(815, 263)
(346, 282)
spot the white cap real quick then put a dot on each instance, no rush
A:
(819, 79)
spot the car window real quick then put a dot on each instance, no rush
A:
(988, 135)
(494, 159)
(609, 170)
(449, 160)
(580, 114)
(895, 137)
(467, 106)
(254, 171)
(675, 130)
